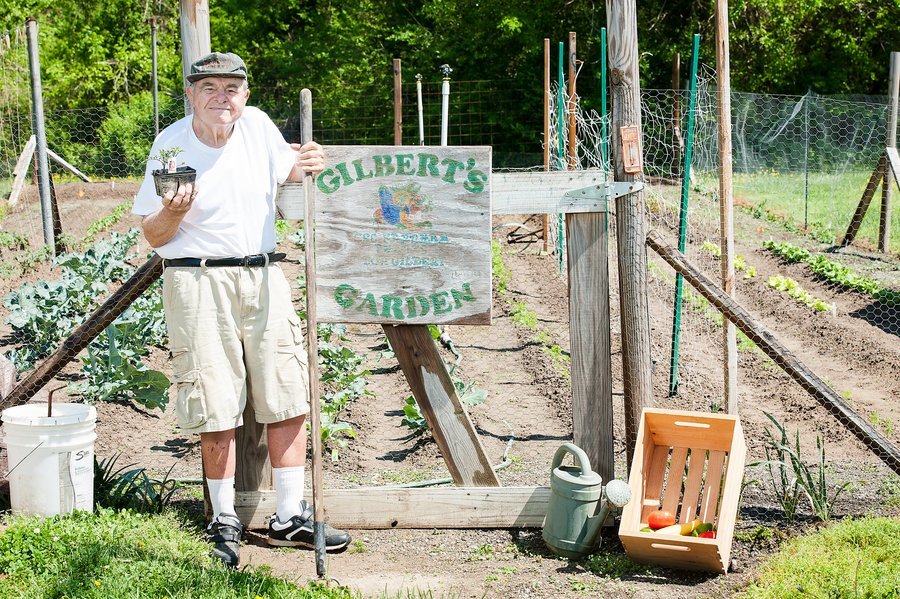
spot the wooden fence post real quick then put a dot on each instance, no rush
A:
(634, 309)
(887, 184)
(398, 104)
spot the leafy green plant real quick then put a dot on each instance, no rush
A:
(522, 315)
(13, 241)
(501, 272)
(104, 260)
(794, 476)
(164, 155)
(343, 380)
(792, 288)
(788, 252)
(106, 222)
(412, 415)
(116, 373)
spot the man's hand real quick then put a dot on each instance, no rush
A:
(181, 199)
(310, 159)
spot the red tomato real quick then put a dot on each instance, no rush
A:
(660, 519)
(709, 534)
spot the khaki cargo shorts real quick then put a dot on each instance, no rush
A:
(234, 330)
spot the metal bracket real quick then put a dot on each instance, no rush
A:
(607, 191)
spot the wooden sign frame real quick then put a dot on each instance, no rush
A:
(403, 235)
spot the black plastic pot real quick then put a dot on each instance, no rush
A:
(166, 181)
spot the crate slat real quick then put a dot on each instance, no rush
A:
(692, 487)
(655, 476)
(714, 475)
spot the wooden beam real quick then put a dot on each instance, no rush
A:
(538, 192)
(780, 354)
(430, 383)
(62, 162)
(21, 169)
(634, 306)
(863, 206)
(589, 338)
(386, 507)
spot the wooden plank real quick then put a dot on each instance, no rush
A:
(714, 475)
(21, 169)
(538, 192)
(387, 507)
(546, 218)
(656, 476)
(404, 235)
(589, 338)
(731, 495)
(62, 162)
(430, 383)
(887, 185)
(690, 429)
(894, 160)
(516, 192)
(691, 498)
(863, 206)
(634, 307)
(254, 470)
(674, 480)
(772, 347)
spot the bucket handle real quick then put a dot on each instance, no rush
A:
(23, 459)
(583, 462)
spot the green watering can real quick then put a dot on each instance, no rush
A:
(576, 510)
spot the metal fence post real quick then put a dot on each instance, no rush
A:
(40, 133)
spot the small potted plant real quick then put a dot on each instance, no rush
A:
(170, 176)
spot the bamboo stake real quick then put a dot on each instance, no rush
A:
(546, 217)
(312, 343)
(398, 104)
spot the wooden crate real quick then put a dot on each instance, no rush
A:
(692, 464)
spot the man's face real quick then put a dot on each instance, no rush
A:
(218, 101)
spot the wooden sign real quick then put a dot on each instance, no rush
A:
(403, 235)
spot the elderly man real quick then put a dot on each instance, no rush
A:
(233, 332)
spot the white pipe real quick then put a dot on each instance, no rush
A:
(445, 103)
(421, 117)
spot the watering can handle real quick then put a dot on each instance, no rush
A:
(583, 462)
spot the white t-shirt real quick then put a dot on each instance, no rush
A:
(233, 214)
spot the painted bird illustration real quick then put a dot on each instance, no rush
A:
(399, 205)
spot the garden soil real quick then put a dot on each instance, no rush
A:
(527, 414)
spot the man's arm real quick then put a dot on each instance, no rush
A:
(161, 226)
(310, 159)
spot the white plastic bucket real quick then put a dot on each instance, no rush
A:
(50, 459)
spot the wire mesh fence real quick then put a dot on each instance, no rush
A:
(800, 163)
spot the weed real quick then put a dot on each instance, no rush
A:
(885, 423)
(119, 488)
(357, 546)
(610, 562)
(481, 553)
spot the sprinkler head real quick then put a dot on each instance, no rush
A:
(445, 70)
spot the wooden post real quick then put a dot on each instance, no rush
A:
(634, 309)
(887, 184)
(194, 37)
(570, 105)
(726, 201)
(863, 206)
(398, 104)
(589, 339)
(546, 218)
(155, 81)
(42, 166)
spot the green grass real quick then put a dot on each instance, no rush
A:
(832, 200)
(110, 554)
(853, 558)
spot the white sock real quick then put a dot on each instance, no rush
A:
(221, 494)
(288, 491)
